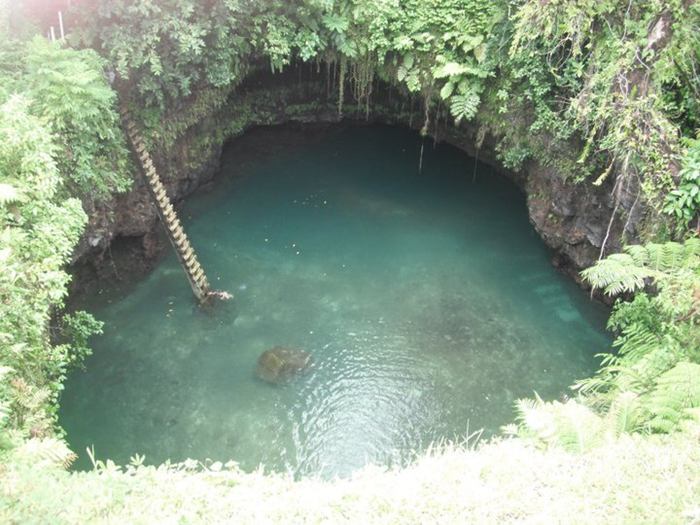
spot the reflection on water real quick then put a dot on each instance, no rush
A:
(427, 302)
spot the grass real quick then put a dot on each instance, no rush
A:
(634, 479)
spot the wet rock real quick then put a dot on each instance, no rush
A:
(279, 364)
(572, 218)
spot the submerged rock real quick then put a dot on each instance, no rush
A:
(280, 364)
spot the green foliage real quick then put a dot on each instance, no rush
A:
(610, 78)
(605, 71)
(569, 425)
(76, 329)
(659, 337)
(573, 425)
(59, 139)
(6, 441)
(602, 79)
(683, 203)
(652, 383)
(464, 106)
(676, 391)
(39, 226)
(171, 47)
(68, 91)
(172, 50)
(669, 263)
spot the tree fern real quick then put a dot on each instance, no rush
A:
(573, 425)
(624, 414)
(627, 272)
(638, 360)
(569, 425)
(616, 274)
(676, 390)
(654, 377)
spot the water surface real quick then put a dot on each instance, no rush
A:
(426, 299)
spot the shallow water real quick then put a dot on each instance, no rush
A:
(427, 302)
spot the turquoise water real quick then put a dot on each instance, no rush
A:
(427, 302)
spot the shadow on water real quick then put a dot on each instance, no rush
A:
(427, 302)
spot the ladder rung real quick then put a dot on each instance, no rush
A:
(172, 222)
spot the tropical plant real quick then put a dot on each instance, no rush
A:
(683, 203)
(652, 382)
(39, 226)
(68, 90)
(542, 78)
(570, 425)
(658, 333)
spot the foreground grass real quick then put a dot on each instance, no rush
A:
(633, 479)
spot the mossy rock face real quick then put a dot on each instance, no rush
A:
(279, 364)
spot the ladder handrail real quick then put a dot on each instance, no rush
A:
(166, 211)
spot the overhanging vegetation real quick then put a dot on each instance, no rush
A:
(615, 82)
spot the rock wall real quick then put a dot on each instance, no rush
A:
(572, 219)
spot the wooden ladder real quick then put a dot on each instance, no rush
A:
(166, 212)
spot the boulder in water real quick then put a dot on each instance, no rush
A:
(280, 364)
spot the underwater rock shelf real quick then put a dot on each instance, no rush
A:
(426, 301)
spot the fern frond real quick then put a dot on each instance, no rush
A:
(600, 381)
(569, 425)
(639, 254)
(578, 428)
(8, 194)
(626, 272)
(616, 274)
(624, 414)
(49, 451)
(636, 341)
(677, 390)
